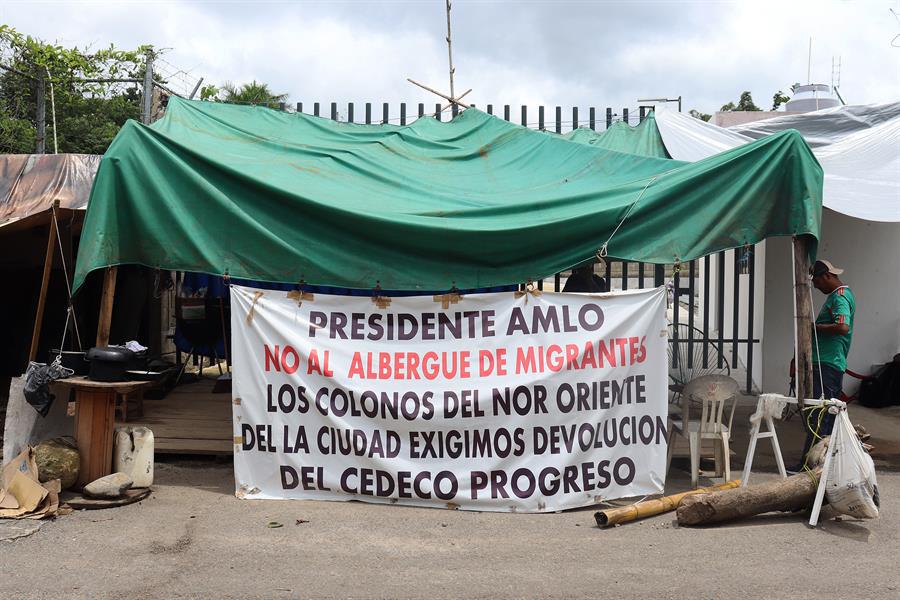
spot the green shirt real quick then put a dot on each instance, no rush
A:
(839, 307)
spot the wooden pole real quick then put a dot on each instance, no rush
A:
(45, 281)
(793, 493)
(804, 317)
(106, 306)
(434, 91)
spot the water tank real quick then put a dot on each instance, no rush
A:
(814, 96)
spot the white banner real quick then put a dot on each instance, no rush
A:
(521, 402)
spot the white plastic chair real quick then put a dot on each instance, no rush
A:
(712, 392)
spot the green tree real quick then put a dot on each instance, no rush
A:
(699, 115)
(778, 99)
(88, 113)
(745, 102)
(248, 93)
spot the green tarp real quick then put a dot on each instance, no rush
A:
(643, 139)
(477, 201)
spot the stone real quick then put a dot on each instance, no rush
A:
(56, 459)
(110, 486)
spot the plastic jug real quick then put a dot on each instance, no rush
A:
(133, 455)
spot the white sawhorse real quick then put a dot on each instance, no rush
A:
(756, 434)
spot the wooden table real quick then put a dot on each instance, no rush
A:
(95, 416)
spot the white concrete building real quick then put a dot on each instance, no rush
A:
(859, 149)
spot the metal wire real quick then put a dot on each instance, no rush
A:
(62, 259)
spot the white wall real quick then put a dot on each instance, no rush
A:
(778, 327)
(868, 251)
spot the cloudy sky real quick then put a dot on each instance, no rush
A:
(582, 53)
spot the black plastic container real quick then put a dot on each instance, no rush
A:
(109, 363)
(138, 361)
(71, 359)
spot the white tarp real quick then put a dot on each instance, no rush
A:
(502, 402)
(827, 126)
(857, 146)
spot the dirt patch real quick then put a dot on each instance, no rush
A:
(180, 545)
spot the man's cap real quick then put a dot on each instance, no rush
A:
(823, 266)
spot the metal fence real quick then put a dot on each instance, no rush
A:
(538, 117)
(711, 314)
(711, 300)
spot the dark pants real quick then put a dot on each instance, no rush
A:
(832, 379)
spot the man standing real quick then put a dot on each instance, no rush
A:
(583, 279)
(831, 344)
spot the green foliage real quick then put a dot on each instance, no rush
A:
(90, 124)
(699, 115)
(209, 92)
(88, 113)
(17, 136)
(778, 99)
(248, 93)
(745, 103)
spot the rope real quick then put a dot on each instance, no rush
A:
(816, 338)
(602, 252)
(62, 259)
(796, 323)
(822, 411)
(62, 343)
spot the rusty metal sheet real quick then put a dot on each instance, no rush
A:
(29, 183)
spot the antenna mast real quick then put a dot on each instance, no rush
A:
(809, 63)
(835, 73)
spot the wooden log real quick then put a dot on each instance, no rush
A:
(804, 312)
(793, 493)
(106, 306)
(649, 508)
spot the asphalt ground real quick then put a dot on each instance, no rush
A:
(193, 539)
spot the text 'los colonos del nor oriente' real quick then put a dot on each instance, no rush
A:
(514, 402)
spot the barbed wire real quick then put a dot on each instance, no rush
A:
(178, 79)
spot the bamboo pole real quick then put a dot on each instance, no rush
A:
(450, 52)
(461, 96)
(106, 306)
(434, 91)
(649, 508)
(45, 281)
